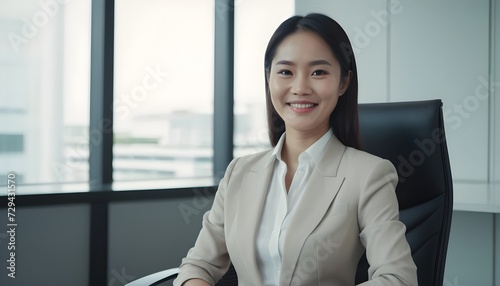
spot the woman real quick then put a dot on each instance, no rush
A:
(304, 212)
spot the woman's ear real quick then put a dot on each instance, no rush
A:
(344, 84)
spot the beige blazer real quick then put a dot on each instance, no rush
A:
(349, 206)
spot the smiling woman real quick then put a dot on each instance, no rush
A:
(314, 186)
(340, 62)
(305, 83)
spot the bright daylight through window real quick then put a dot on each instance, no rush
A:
(44, 94)
(163, 110)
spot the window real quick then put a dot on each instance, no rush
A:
(44, 75)
(255, 21)
(163, 89)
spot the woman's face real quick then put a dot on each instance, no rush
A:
(305, 82)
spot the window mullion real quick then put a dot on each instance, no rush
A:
(223, 85)
(101, 95)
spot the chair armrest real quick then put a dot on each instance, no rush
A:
(154, 278)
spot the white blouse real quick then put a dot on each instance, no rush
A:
(280, 206)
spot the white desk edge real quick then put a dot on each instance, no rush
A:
(476, 197)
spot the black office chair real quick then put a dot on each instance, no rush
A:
(410, 135)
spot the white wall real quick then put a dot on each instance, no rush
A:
(439, 49)
(416, 50)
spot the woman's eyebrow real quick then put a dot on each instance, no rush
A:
(311, 63)
(319, 62)
(285, 62)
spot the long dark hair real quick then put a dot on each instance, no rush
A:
(344, 118)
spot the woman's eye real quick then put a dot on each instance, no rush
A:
(284, 72)
(320, 72)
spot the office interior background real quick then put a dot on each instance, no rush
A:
(118, 118)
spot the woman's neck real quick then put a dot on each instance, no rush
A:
(297, 142)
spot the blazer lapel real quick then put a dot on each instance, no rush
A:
(254, 188)
(322, 188)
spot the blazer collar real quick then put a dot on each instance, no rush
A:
(314, 151)
(320, 191)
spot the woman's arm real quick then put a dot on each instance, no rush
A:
(208, 260)
(382, 233)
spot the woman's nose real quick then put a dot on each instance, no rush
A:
(301, 86)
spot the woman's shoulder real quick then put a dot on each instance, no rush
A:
(253, 159)
(362, 155)
(364, 160)
(366, 168)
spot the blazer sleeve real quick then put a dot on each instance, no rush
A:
(209, 259)
(381, 231)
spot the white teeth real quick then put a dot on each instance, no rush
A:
(301, 105)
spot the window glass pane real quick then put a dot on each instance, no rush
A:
(44, 94)
(163, 86)
(255, 22)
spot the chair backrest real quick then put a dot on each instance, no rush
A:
(411, 135)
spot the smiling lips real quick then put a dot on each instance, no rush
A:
(302, 107)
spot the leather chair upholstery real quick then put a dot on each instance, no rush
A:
(411, 135)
